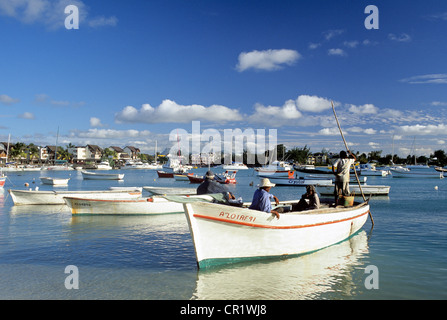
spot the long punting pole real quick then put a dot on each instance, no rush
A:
(355, 171)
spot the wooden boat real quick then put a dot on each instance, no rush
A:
(169, 190)
(164, 174)
(224, 178)
(443, 170)
(424, 173)
(225, 234)
(28, 197)
(182, 176)
(54, 181)
(367, 189)
(149, 205)
(101, 176)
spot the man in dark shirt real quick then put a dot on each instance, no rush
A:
(210, 185)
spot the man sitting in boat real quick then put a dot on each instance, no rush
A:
(210, 186)
(262, 198)
(308, 201)
(342, 173)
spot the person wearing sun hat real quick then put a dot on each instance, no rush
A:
(262, 197)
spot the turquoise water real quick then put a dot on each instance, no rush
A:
(152, 257)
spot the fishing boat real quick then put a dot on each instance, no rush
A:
(144, 206)
(101, 176)
(224, 178)
(381, 190)
(54, 181)
(31, 197)
(164, 174)
(369, 169)
(415, 173)
(169, 190)
(224, 234)
(275, 168)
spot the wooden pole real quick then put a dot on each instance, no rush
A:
(355, 171)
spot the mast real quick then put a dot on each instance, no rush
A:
(55, 151)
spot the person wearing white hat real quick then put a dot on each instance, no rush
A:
(262, 197)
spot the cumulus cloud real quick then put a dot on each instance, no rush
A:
(95, 122)
(274, 115)
(7, 100)
(50, 13)
(268, 60)
(313, 103)
(170, 111)
(26, 115)
(110, 134)
(418, 129)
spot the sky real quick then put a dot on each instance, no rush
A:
(137, 72)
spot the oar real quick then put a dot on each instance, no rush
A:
(355, 171)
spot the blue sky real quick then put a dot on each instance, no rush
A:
(135, 71)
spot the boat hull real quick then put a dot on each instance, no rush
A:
(102, 176)
(170, 191)
(416, 174)
(225, 234)
(32, 197)
(367, 190)
(300, 182)
(54, 181)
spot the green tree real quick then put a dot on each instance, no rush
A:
(299, 155)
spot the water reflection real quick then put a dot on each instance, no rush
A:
(310, 276)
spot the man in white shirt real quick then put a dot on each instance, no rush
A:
(341, 170)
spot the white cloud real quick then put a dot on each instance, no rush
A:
(437, 78)
(328, 35)
(50, 13)
(313, 103)
(329, 131)
(5, 99)
(170, 111)
(364, 109)
(267, 60)
(336, 52)
(110, 134)
(440, 129)
(275, 116)
(26, 115)
(95, 122)
(399, 38)
(351, 44)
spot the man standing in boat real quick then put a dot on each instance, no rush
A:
(341, 170)
(262, 198)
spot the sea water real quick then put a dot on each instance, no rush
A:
(152, 257)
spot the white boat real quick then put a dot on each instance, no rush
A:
(275, 168)
(58, 168)
(424, 173)
(170, 190)
(54, 181)
(369, 169)
(31, 197)
(225, 234)
(300, 181)
(235, 166)
(381, 190)
(102, 176)
(104, 165)
(150, 205)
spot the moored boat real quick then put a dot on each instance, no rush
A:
(381, 190)
(225, 234)
(235, 166)
(169, 190)
(31, 197)
(412, 173)
(141, 206)
(300, 181)
(101, 176)
(54, 181)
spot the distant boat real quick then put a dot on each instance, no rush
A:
(104, 165)
(235, 166)
(276, 167)
(37, 197)
(415, 173)
(369, 169)
(102, 176)
(300, 181)
(223, 178)
(54, 181)
(182, 177)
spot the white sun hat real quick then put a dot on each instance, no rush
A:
(266, 183)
